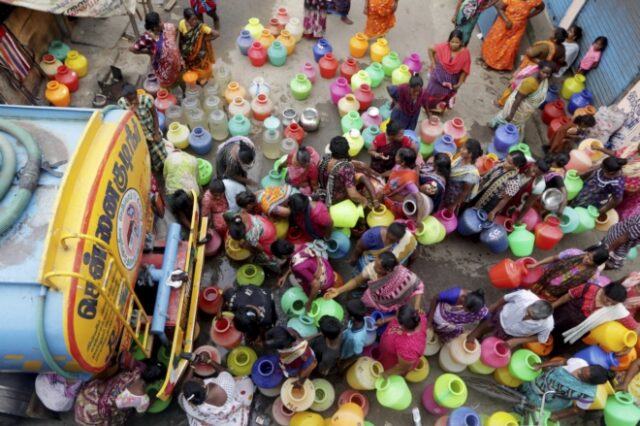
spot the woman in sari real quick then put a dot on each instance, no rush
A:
(402, 181)
(274, 200)
(377, 240)
(434, 175)
(195, 45)
(560, 387)
(450, 66)
(234, 159)
(310, 216)
(502, 43)
(466, 16)
(338, 178)
(110, 402)
(311, 269)
(604, 188)
(407, 100)
(453, 309)
(385, 146)
(464, 178)
(221, 400)
(630, 205)
(499, 185)
(403, 341)
(315, 18)
(302, 169)
(381, 17)
(297, 359)
(389, 285)
(525, 99)
(566, 270)
(551, 50)
(256, 234)
(160, 42)
(620, 239)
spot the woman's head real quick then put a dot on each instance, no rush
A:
(216, 186)
(246, 200)
(545, 69)
(395, 130)
(152, 22)
(406, 157)
(278, 338)
(596, 257)
(614, 293)
(237, 228)
(330, 327)
(575, 32)
(246, 154)
(559, 35)
(395, 232)
(356, 309)
(585, 121)
(560, 160)
(194, 392)
(455, 40)
(595, 374)
(282, 249)
(339, 147)
(182, 202)
(298, 204)
(303, 157)
(601, 43)
(442, 164)
(474, 301)
(471, 150)
(416, 84)
(515, 160)
(246, 320)
(408, 317)
(538, 168)
(612, 165)
(190, 16)
(385, 263)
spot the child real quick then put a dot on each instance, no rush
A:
(354, 337)
(214, 205)
(571, 49)
(591, 59)
(327, 345)
(570, 133)
(297, 359)
(209, 7)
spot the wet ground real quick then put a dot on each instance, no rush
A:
(455, 262)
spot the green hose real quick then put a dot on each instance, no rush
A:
(28, 177)
(8, 166)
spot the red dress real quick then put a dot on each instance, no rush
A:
(398, 343)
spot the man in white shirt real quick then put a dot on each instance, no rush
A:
(519, 317)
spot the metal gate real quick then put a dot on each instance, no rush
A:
(619, 21)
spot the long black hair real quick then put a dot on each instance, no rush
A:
(299, 204)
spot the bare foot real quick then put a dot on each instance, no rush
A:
(346, 20)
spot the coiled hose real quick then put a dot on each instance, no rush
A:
(7, 167)
(28, 177)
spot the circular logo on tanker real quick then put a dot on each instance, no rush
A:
(129, 228)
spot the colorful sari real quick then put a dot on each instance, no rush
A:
(630, 205)
(296, 358)
(315, 18)
(273, 197)
(629, 227)
(598, 189)
(310, 260)
(448, 68)
(450, 320)
(167, 63)
(461, 175)
(568, 388)
(96, 403)
(299, 176)
(260, 232)
(535, 92)
(467, 17)
(372, 239)
(407, 109)
(428, 176)
(390, 292)
(564, 274)
(380, 18)
(316, 222)
(384, 146)
(336, 181)
(501, 45)
(401, 182)
(196, 50)
(497, 185)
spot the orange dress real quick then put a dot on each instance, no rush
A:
(501, 45)
(380, 18)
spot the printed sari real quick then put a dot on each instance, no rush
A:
(196, 50)
(448, 68)
(315, 18)
(96, 403)
(497, 184)
(449, 320)
(166, 62)
(402, 249)
(564, 274)
(380, 17)
(310, 261)
(393, 290)
(630, 205)
(501, 45)
(467, 17)
(568, 388)
(401, 182)
(461, 175)
(535, 92)
(273, 197)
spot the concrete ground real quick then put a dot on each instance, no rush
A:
(454, 262)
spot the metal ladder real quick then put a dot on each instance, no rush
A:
(115, 291)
